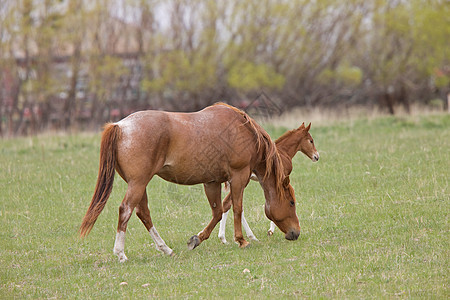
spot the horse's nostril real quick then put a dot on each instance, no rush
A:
(292, 235)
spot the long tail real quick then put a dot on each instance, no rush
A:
(105, 179)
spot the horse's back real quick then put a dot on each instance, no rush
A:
(185, 148)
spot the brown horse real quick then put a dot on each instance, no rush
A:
(288, 145)
(217, 144)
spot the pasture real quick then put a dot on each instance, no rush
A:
(373, 211)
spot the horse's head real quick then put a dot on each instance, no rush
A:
(306, 144)
(283, 212)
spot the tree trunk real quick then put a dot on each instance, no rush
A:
(386, 100)
(70, 105)
(403, 98)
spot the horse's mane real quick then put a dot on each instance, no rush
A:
(269, 150)
(287, 134)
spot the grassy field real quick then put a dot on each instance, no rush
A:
(374, 215)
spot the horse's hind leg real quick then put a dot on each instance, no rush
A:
(226, 208)
(132, 198)
(213, 192)
(143, 213)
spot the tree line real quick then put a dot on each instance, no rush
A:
(83, 62)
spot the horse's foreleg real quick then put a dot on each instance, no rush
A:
(237, 211)
(271, 229)
(213, 193)
(222, 226)
(226, 207)
(132, 198)
(237, 193)
(143, 213)
(247, 229)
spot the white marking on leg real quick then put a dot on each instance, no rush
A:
(247, 229)
(223, 224)
(226, 187)
(271, 229)
(119, 246)
(159, 242)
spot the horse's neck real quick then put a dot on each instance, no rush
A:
(268, 186)
(287, 163)
(289, 144)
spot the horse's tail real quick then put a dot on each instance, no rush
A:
(105, 179)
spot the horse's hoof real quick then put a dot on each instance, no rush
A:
(269, 232)
(223, 239)
(253, 238)
(122, 257)
(193, 242)
(243, 244)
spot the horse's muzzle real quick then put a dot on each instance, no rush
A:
(315, 157)
(292, 235)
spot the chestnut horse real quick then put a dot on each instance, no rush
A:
(288, 145)
(217, 144)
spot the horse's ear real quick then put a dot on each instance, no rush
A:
(286, 181)
(308, 127)
(302, 126)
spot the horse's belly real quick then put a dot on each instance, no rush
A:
(192, 175)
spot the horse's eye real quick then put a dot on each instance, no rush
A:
(292, 203)
(311, 141)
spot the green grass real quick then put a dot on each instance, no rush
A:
(373, 211)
